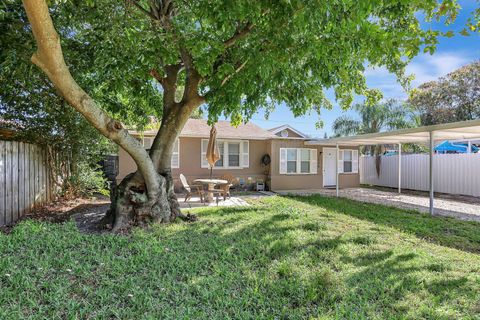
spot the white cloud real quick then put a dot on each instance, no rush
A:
(376, 72)
(431, 67)
(424, 67)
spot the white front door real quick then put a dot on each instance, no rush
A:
(329, 167)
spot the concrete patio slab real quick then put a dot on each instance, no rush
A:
(451, 207)
(234, 201)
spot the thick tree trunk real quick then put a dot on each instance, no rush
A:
(146, 195)
(130, 205)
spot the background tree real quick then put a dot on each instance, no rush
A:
(384, 116)
(389, 115)
(235, 56)
(30, 103)
(455, 97)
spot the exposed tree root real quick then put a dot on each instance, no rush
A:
(131, 206)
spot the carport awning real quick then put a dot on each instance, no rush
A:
(463, 130)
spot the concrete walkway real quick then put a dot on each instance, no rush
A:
(451, 207)
(234, 201)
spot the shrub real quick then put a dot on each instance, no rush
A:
(86, 181)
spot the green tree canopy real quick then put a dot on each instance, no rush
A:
(249, 54)
(455, 97)
(29, 100)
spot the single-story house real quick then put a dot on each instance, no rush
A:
(293, 165)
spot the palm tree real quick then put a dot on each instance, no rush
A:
(389, 115)
(379, 117)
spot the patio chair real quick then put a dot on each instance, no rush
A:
(191, 190)
(224, 189)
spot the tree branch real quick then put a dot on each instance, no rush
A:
(163, 13)
(238, 35)
(236, 71)
(154, 73)
(49, 58)
(193, 78)
(154, 10)
(169, 85)
(142, 9)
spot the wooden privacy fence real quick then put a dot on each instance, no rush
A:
(453, 173)
(25, 179)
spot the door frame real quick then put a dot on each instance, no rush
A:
(324, 167)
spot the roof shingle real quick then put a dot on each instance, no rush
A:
(200, 128)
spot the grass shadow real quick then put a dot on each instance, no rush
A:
(274, 260)
(449, 232)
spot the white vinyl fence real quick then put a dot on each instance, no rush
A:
(453, 173)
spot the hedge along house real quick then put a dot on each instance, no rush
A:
(293, 164)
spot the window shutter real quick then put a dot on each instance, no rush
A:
(204, 162)
(355, 161)
(340, 161)
(245, 154)
(175, 162)
(313, 161)
(299, 160)
(283, 161)
(226, 156)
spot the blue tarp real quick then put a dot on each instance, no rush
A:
(449, 147)
(390, 153)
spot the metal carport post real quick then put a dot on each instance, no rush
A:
(432, 146)
(336, 172)
(399, 168)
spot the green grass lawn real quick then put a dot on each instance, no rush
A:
(281, 258)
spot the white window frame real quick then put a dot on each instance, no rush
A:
(341, 157)
(244, 155)
(226, 154)
(297, 161)
(147, 144)
(283, 167)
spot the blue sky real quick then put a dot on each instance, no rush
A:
(451, 54)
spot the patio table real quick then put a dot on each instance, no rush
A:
(211, 186)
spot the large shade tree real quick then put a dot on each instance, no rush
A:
(29, 101)
(231, 57)
(455, 97)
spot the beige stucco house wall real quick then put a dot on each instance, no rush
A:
(190, 152)
(304, 181)
(190, 162)
(260, 144)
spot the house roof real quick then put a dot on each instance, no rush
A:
(463, 130)
(284, 127)
(199, 128)
(8, 129)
